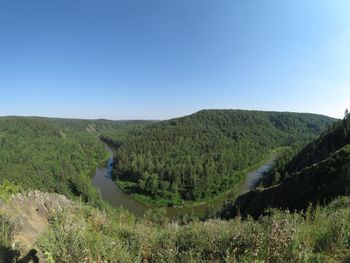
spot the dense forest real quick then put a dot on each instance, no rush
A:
(315, 175)
(202, 155)
(82, 232)
(54, 155)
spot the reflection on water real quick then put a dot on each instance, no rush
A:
(112, 194)
(253, 177)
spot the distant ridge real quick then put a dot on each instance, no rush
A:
(203, 154)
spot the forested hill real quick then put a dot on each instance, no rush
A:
(54, 155)
(204, 154)
(317, 174)
(337, 136)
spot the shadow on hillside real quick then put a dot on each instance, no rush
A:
(9, 255)
(30, 257)
(346, 259)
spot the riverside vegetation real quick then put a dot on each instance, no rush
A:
(320, 232)
(317, 174)
(54, 155)
(200, 156)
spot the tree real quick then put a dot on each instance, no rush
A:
(201, 155)
(142, 184)
(346, 115)
(152, 183)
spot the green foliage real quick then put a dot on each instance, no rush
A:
(337, 136)
(7, 189)
(156, 216)
(317, 174)
(277, 173)
(53, 155)
(200, 156)
(7, 253)
(82, 238)
(91, 235)
(169, 160)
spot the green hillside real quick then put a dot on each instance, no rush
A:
(82, 232)
(317, 174)
(202, 155)
(54, 155)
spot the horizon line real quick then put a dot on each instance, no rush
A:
(155, 119)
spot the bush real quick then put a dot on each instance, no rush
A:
(7, 189)
(91, 235)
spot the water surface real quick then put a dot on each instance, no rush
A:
(111, 193)
(102, 179)
(253, 177)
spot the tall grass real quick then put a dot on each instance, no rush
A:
(8, 254)
(91, 235)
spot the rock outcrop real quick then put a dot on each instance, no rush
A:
(29, 214)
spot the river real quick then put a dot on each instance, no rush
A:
(102, 179)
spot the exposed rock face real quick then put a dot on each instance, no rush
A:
(29, 214)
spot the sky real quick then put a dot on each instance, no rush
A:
(159, 59)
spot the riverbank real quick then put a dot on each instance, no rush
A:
(234, 190)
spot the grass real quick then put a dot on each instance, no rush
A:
(7, 253)
(7, 189)
(91, 235)
(87, 233)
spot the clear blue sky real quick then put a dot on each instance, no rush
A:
(157, 59)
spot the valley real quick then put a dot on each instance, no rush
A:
(198, 157)
(299, 163)
(111, 193)
(174, 131)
